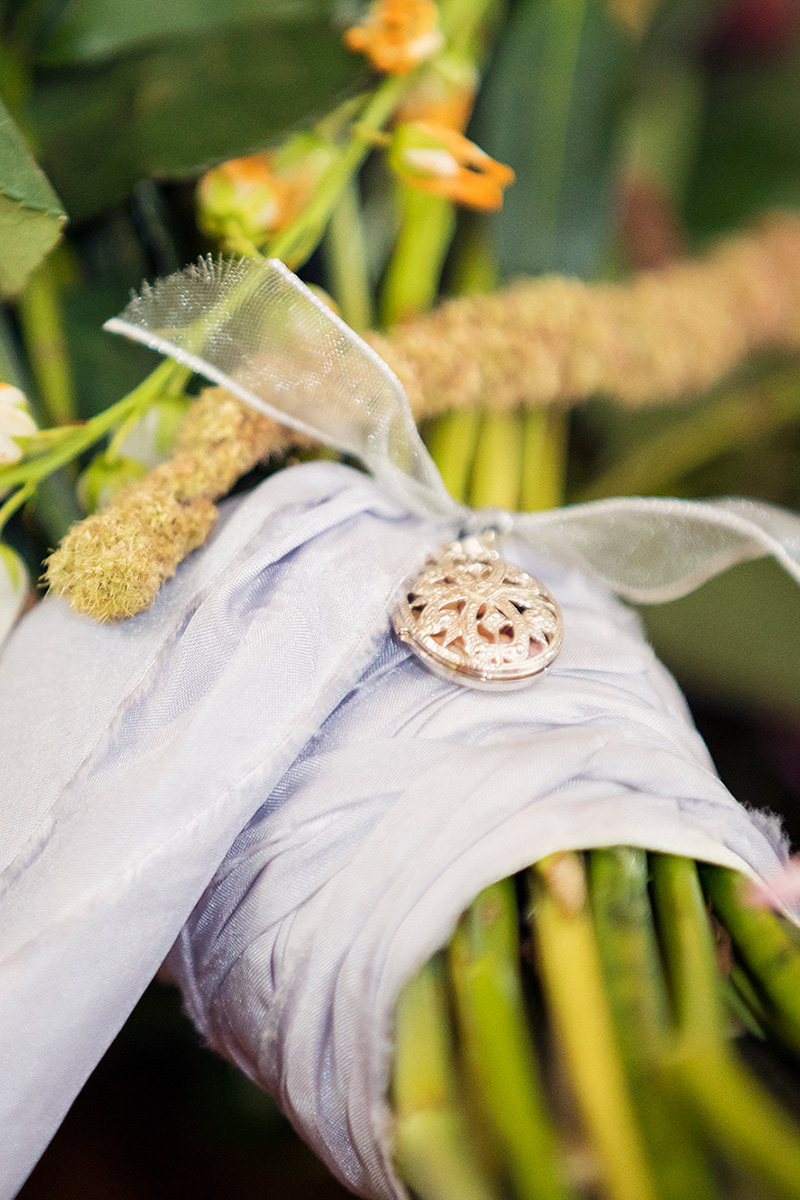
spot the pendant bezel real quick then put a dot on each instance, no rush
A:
(476, 636)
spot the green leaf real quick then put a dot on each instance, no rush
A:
(174, 110)
(97, 29)
(549, 110)
(749, 157)
(30, 214)
(735, 638)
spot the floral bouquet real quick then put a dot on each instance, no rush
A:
(335, 710)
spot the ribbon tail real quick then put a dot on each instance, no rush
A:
(650, 550)
(252, 327)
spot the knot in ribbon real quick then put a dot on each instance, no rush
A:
(254, 328)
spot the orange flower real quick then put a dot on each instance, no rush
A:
(241, 198)
(444, 162)
(397, 34)
(443, 96)
(251, 198)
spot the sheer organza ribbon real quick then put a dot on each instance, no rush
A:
(252, 327)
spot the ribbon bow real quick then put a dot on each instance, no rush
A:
(254, 328)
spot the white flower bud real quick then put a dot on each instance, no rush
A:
(15, 422)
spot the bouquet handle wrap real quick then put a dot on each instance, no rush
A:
(256, 768)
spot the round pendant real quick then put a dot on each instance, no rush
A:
(477, 620)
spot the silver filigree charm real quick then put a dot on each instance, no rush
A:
(475, 619)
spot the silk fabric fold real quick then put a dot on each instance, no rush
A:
(256, 768)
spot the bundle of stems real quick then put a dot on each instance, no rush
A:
(578, 1038)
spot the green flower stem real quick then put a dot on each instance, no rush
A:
(474, 270)
(14, 502)
(465, 24)
(731, 1107)
(688, 944)
(452, 444)
(497, 1047)
(454, 438)
(637, 998)
(572, 977)
(346, 259)
(768, 947)
(39, 311)
(724, 425)
(294, 243)
(433, 1149)
(744, 1003)
(497, 472)
(745, 1122)
(544, 448)
(629, 951)
(427, 225)
(77, 438)
(412, 285)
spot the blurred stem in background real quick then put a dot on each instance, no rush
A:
(658, 142)
(42, 327)
(346, 259)
(768, 948)
(572, 979)
(411, 284)
(434, 1148)
(564, 25)
(726, 423)
(637, 997)
(734, 1111)
(297, 241)
(544, 453)
(497, 1048)
(52, 502)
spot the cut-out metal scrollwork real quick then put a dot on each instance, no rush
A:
(478, 620)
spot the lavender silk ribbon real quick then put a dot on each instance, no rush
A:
(255, 768)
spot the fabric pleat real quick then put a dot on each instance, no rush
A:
(256, 768)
